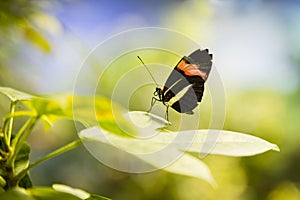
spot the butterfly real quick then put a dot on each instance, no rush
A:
(185, 85)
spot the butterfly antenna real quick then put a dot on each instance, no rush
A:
(148, 70)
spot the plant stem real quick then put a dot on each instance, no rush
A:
(57, 152)
(21, 137)
(53, 154)
(11, 121)
(5, 147)
(24, 131)
(7, 127)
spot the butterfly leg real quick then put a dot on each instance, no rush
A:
(167, 113)
(152, 104)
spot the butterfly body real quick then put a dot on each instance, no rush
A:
(185, 86)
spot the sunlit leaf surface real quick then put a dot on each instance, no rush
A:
(168, 150)
(76, 192)
(230, 143)
(15, 95)
(46, 193)
(42, 193)
(67, 189)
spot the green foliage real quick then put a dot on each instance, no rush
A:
(14, 151)
(47, 193)
(41, 193)
(21, 164)
(77, 192)
(36, 38)
(108, 124)
(15, 11)
(22, 159)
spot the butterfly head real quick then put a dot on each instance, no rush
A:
(158, 93)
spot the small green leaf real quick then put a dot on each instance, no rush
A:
(22, 158)
(74, 191)
(47, 193)
(21, 163)
(15, 95)
(25, 182)
(2, 182)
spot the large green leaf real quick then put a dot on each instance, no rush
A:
(90, 111)
(169, 150)
(149, 150)
(45, 106)
(48, 109)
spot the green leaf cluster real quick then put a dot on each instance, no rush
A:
(15, 182)
(47, 193)
(107, 124)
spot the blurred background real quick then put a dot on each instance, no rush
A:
(256, 51)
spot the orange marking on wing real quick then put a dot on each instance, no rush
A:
(181, 64)
(191, 70)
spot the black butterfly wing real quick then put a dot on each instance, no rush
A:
(175, 83)
(201, 58)
(186, 103)
(192, 72)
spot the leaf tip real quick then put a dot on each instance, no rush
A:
(275, 148)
